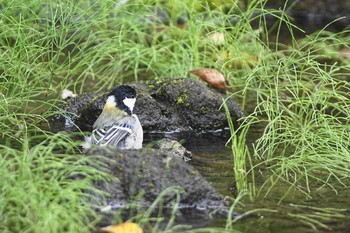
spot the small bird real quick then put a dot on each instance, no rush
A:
(117, 125)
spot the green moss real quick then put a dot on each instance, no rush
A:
(151, 186)
(160, 90)
(181, 99)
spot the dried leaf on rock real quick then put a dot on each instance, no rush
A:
(211, 76)
(127, 227)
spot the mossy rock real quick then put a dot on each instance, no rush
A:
(162, 106)
(141, 176)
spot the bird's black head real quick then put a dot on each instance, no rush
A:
(125, 97)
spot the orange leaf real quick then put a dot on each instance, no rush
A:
(127, 227)
(211, 76)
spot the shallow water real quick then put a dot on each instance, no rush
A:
(214, 161)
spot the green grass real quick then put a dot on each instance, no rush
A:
(305, 105)
(44, 187)
(299, 92)
(241, 156)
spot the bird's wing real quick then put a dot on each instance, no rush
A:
(113, 135)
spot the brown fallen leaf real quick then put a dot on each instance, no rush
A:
(127, 227)
(211, 76)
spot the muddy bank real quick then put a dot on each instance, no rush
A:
(162, 106)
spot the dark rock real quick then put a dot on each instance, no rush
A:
(314, 15)
(326, 7)
(149, 172)
(162, 106)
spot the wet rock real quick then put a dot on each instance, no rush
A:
(141, 176)
(172, 148)
(162, 106)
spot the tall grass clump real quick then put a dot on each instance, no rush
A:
(241, 156)
(46, 184)
(47, 187)
(302, 98)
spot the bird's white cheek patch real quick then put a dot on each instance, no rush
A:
(110, 102)
(130, 103)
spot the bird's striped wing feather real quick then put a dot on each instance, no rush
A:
(113, 135)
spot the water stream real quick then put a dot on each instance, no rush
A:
(213, 159)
